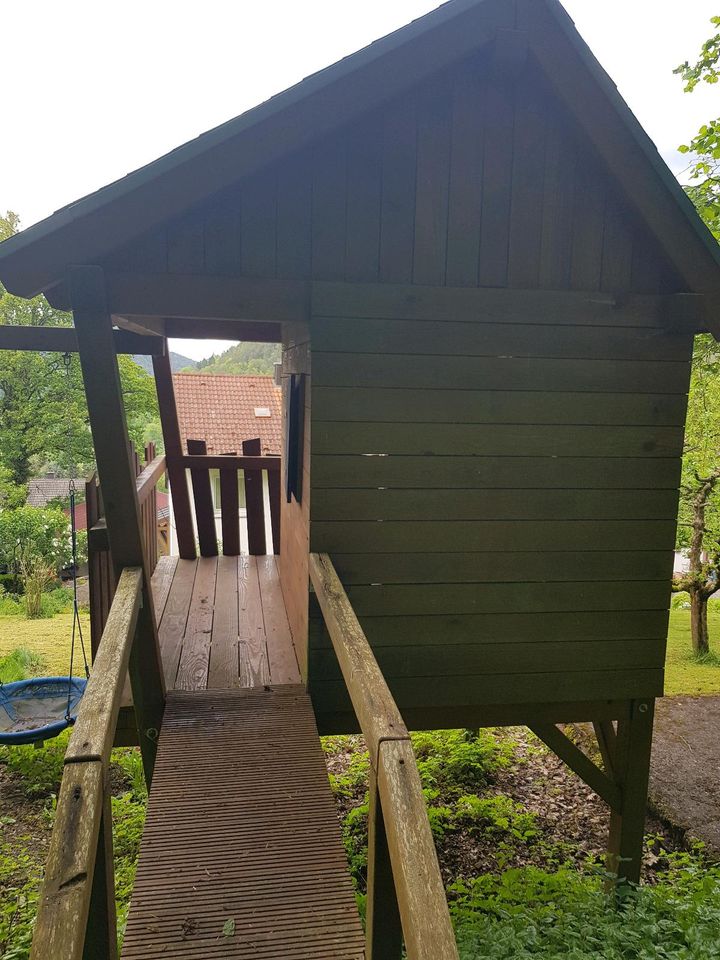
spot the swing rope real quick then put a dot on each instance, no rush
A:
(76, 624)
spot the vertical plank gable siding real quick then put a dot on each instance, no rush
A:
(471, 179)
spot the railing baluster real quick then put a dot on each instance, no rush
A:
(254, 502)
(230, 511)
(202, 495)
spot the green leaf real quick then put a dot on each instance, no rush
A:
(228, 929)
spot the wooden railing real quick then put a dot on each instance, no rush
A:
(405, 893)
(101, 579)
(253, 465)
(79, 877)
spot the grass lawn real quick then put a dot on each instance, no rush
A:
(683, 672)
(48, 639)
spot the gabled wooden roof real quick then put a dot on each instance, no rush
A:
(87, 230)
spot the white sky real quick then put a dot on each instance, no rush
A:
(92, 89)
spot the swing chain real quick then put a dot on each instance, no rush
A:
(76, 625)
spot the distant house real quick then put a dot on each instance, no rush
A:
(43, 490)
(224, 410)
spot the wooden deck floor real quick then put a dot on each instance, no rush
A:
(222, 623)
(242, 855)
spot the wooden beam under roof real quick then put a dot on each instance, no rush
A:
(201, 297)
(64, 340)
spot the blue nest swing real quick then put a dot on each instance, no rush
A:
(39, 708)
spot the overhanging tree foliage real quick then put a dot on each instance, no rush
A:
(699, 521)
(43, 413)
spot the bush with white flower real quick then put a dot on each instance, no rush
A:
(35, 543)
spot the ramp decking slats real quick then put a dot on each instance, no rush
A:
(242, 855)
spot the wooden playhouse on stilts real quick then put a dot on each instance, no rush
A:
(486, 284)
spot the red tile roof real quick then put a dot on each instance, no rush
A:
(221, 410)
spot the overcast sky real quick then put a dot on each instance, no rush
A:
(92, 90)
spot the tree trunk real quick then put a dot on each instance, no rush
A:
(699, 623)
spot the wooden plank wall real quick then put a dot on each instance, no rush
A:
(469, 180)
(483, 480)
(497, 490)
(295, 517)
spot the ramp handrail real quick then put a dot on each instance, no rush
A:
(79, 878)
(405, 893)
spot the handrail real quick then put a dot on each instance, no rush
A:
(147, 480)
(399, 829)
(79, 864)
(226, 461)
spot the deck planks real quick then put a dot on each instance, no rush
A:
(270, 878)
(223, 623)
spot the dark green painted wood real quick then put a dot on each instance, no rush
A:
(497, 182)
(527, 183)
(495, 440)
(558, 189)
(329, 207)
(437, 692)
(588, 216)
(449, 660)
(186, 245)
(398, 192)
(489, 535)
(387, 405)
(503, 373)
(258, 219)
(485, 339)
(432, 183)
(495, 472)
(222, 237)
(418, 504)
(503, 628)
(473, 716)
(294, 219)
(432, 599)
(401, 301)
(502, 567)
(465, 187)
(364, 197)
(632, 772)
(617, 249)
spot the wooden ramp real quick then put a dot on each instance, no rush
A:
(242, 855)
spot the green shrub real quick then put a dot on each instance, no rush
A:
(39, 770)
(459, 761)
(527, 913)
(19, 665)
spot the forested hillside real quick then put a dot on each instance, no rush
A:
(243, 358)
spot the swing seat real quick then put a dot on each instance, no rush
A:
(37, 709)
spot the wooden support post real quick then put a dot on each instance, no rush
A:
(383, 929)
(275, 494)
(101, 936)
(117, 477)
(254, 502)
(173, 451)
(632, 771)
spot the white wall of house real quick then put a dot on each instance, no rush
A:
(242, 516)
